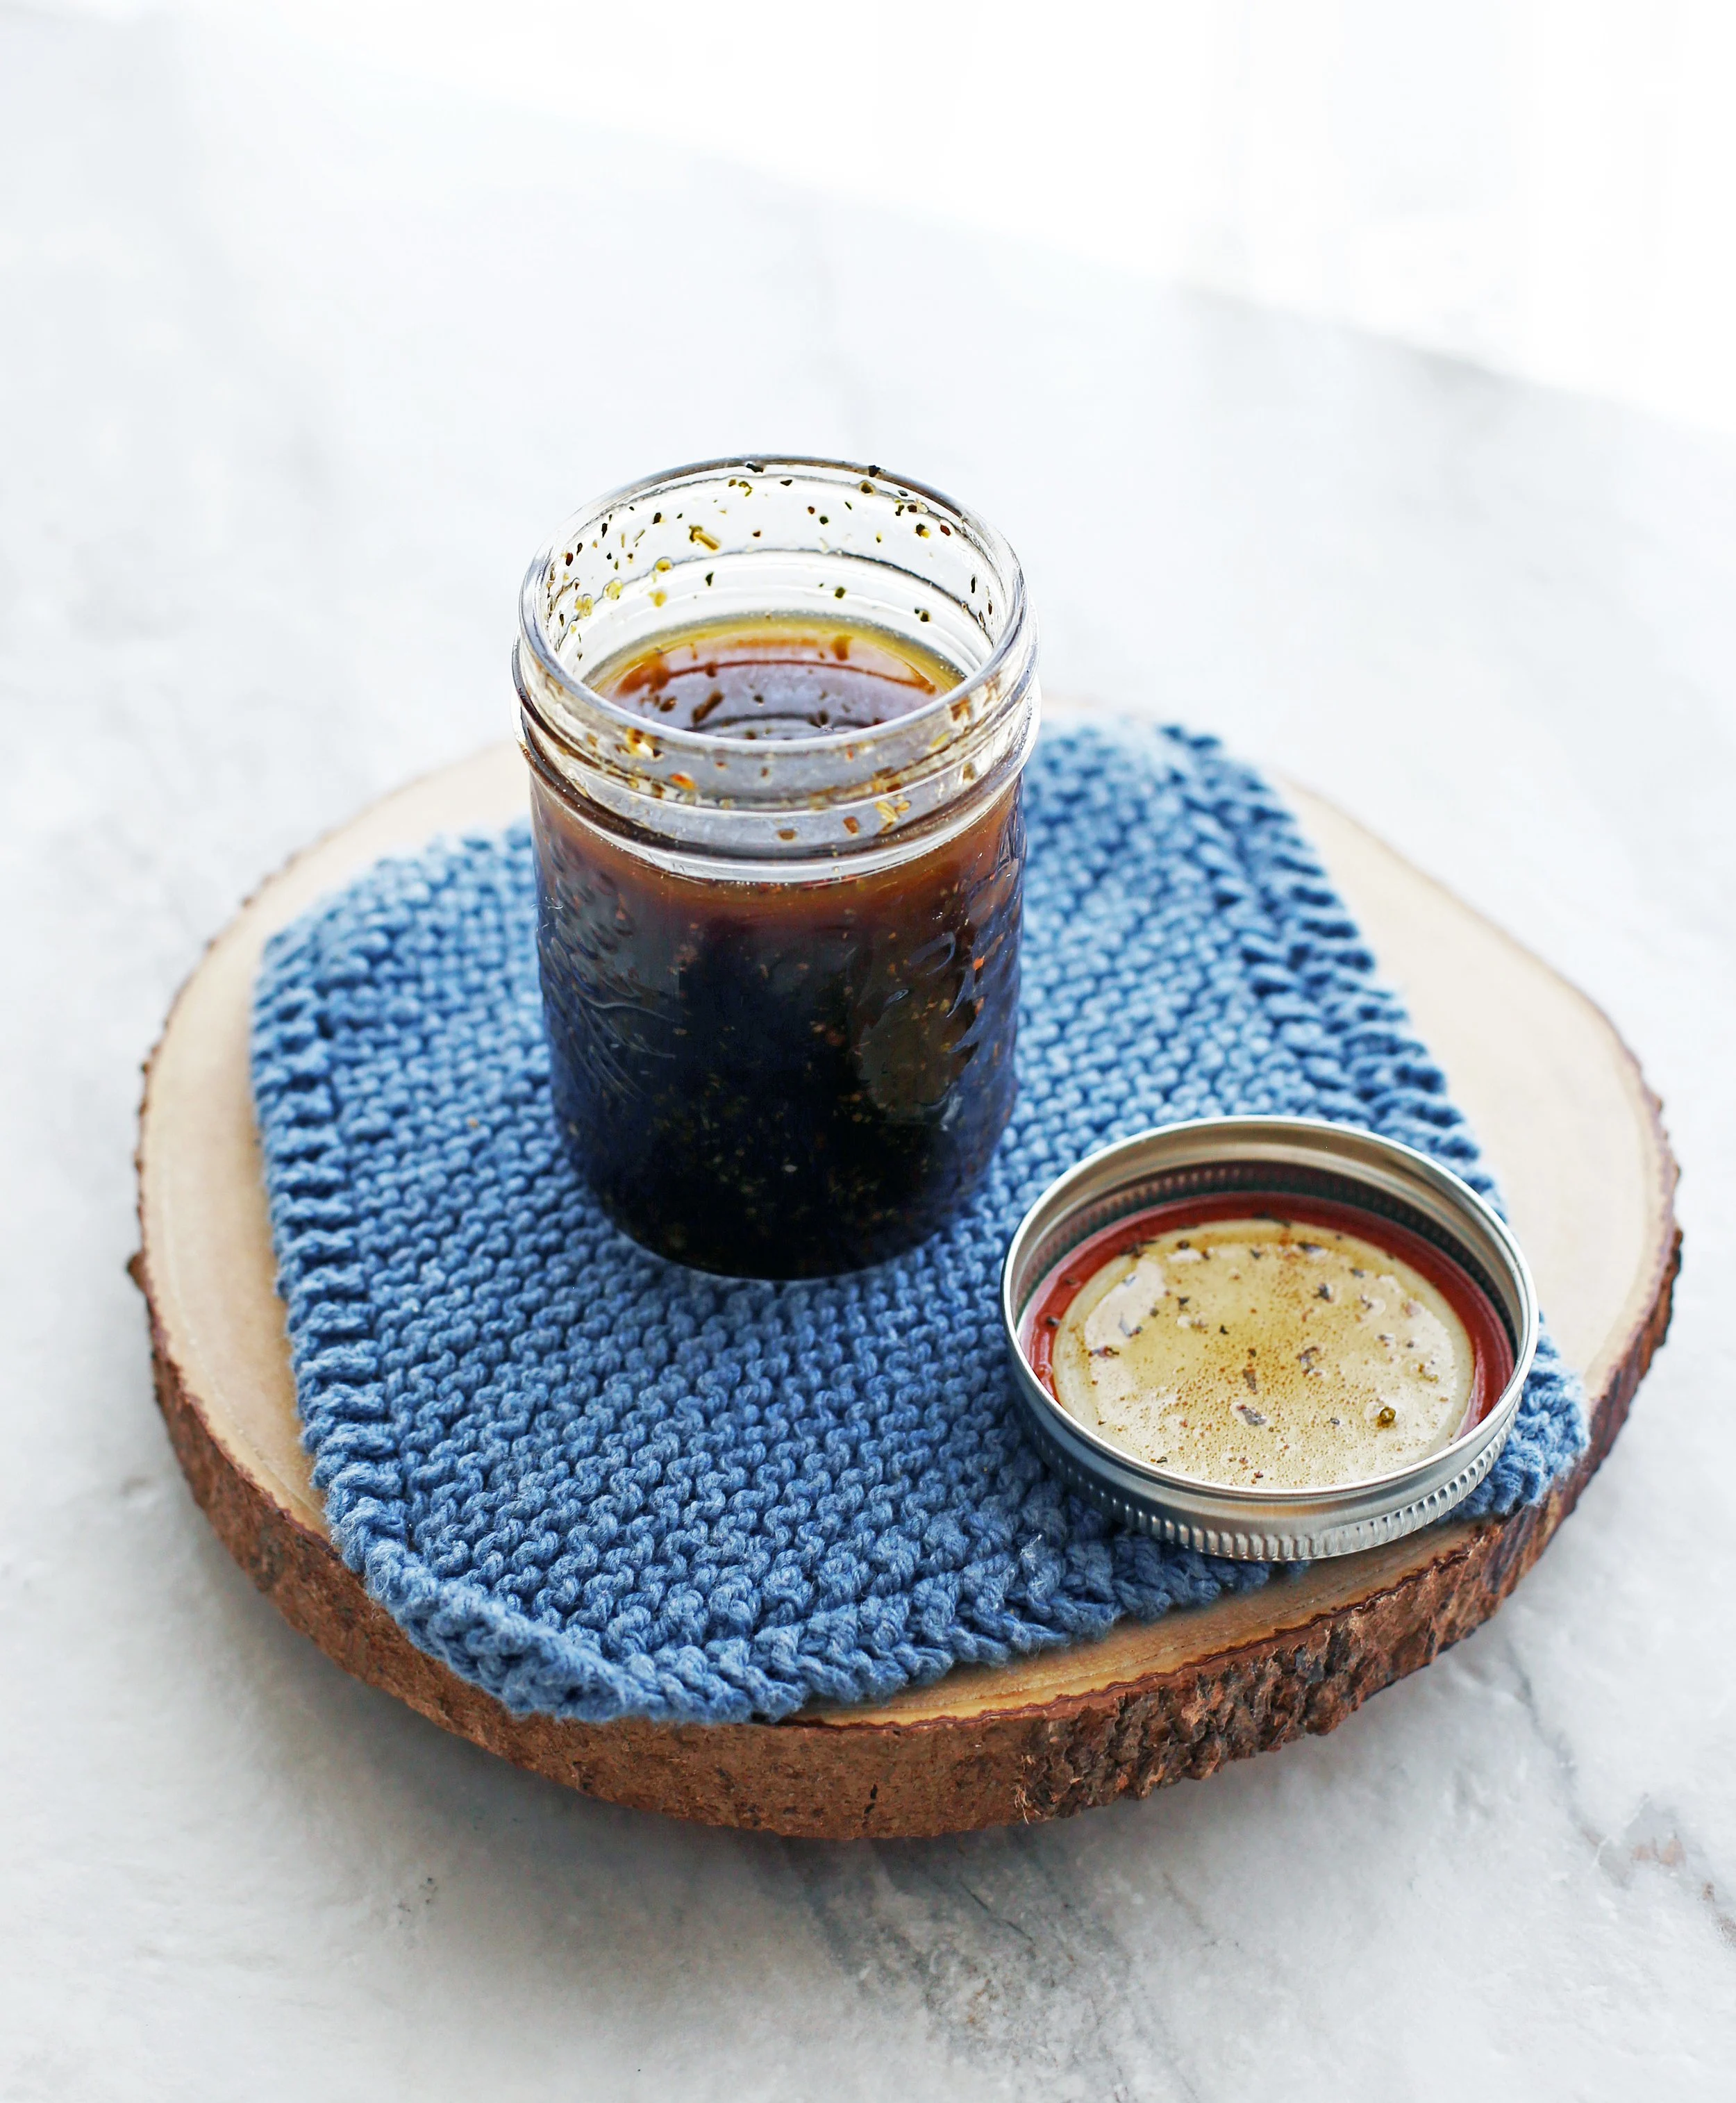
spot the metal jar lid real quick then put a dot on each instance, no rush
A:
(1295, 1157)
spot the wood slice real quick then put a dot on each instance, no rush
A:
(1568, 1125)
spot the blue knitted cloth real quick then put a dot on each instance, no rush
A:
(598, 1484)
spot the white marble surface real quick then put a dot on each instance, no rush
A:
(295, 367)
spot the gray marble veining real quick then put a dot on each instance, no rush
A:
(295, 368)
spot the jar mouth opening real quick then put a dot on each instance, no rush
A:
(996, 551)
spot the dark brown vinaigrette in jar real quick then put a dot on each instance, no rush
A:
(789, 1078)
(779, 677)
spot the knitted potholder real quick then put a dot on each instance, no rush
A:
(599, 1484)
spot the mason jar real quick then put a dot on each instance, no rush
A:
(779, 943)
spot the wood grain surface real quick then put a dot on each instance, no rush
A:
(1564, 1118)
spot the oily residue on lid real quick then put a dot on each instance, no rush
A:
(1267, 1351)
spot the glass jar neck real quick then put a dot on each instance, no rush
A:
(806, 540)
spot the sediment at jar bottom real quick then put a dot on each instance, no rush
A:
(780, 1079)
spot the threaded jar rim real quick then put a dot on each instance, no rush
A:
(603, 583)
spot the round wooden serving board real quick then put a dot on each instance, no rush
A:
(1555, 1097)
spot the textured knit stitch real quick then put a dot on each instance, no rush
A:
(598, 1484)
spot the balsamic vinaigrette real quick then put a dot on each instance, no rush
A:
(1276, 1344)
(778, 678)
(785, 1079)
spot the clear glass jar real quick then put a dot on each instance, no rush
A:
(780, 972)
